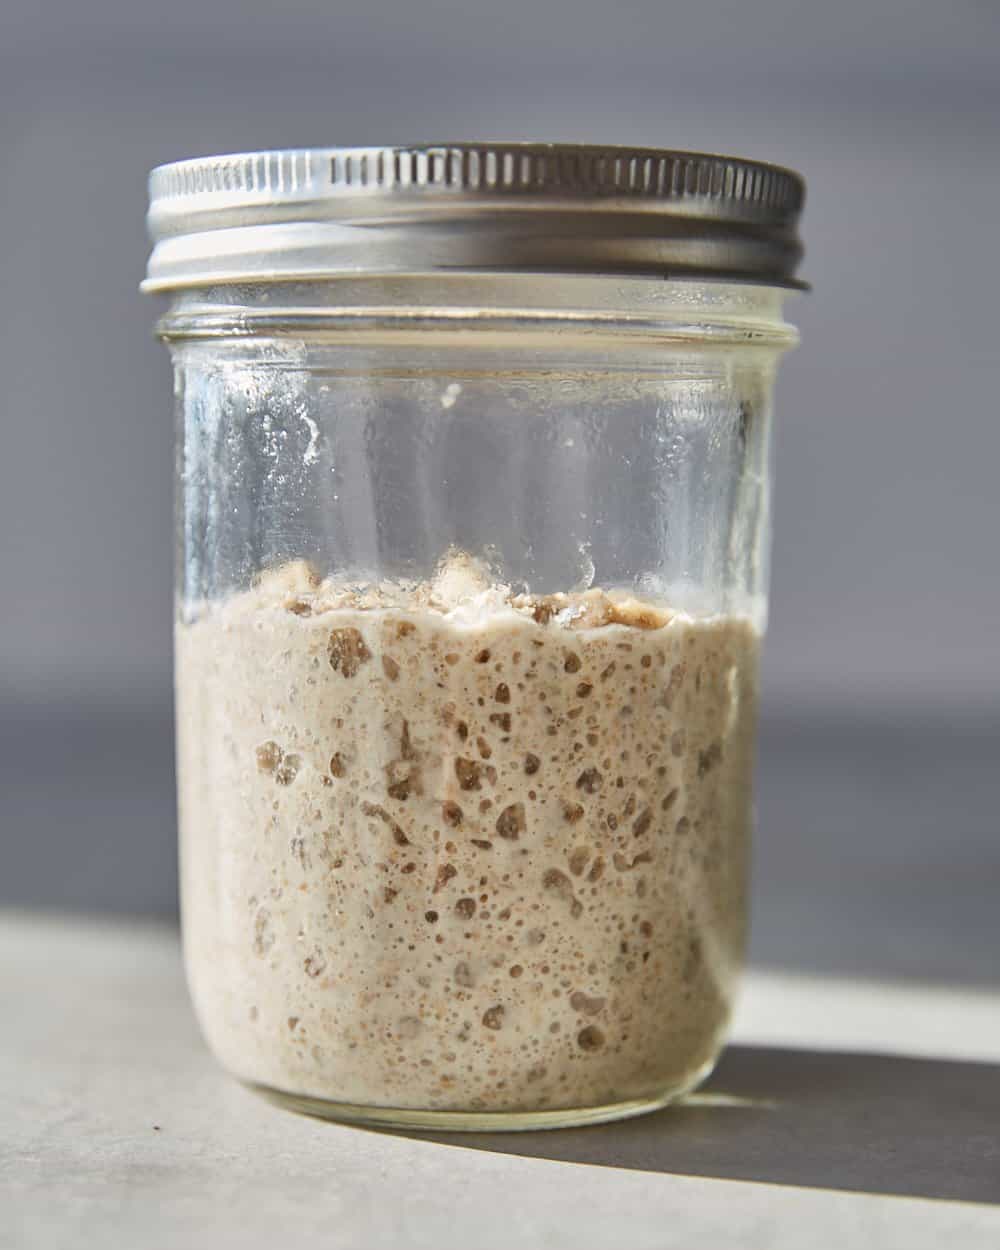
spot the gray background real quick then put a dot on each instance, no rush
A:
(878, 847)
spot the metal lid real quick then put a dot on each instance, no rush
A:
(485, 207)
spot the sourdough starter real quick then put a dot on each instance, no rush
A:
(446, 847)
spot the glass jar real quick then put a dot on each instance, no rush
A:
(471, 580)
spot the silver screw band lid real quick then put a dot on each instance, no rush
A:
(483, 207)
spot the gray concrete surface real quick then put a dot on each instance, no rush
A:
(119, 1131)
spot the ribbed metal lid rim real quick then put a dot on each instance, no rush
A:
(609, 209)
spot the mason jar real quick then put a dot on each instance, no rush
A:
(472, 546)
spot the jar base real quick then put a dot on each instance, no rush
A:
(477, 1121)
